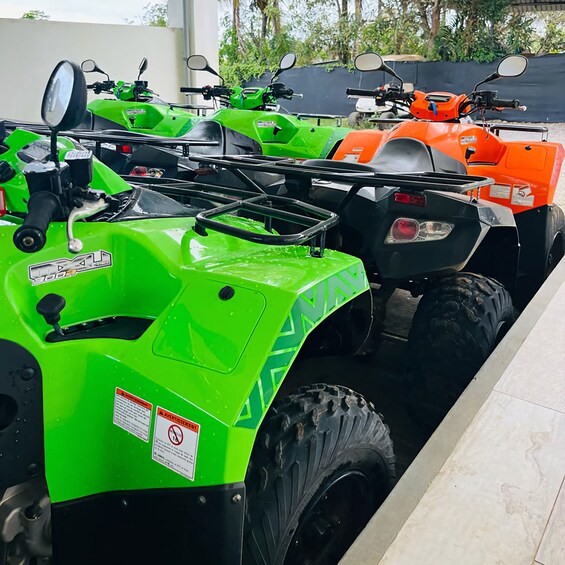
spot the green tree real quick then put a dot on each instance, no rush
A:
(155, 14)
(35, 15)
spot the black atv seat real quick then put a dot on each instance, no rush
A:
(403, 155)
(399, 155)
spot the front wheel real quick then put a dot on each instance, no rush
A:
(322, 463)
(459, 321)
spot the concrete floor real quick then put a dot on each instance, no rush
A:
(488, 487)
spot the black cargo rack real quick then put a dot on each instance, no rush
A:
(317, 221)
(116, 137)
(450, 182)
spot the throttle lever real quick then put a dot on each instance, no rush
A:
(88, 208)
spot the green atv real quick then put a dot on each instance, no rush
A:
(250, 121)
(143, 352)
(135, 107)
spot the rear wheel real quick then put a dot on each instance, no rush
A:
(555, 239)
(322, 464)
(459, 321)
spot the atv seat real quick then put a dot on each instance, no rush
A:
(403, 155)
(400, 155)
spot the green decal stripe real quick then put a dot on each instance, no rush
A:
(309, 309)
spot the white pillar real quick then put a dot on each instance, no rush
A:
(199, 21)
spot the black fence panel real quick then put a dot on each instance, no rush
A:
(541, 88)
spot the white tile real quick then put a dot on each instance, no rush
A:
(552, 548)
(492, 499)
(537, 372)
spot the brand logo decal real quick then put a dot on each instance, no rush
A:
(64, 268)
(270, 124)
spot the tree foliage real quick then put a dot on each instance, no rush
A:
(154, 14)
(256, 33)
(35, 15)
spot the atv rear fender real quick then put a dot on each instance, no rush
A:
(481, 232)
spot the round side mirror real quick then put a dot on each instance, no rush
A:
(512, 66)
(89, 66)
(197, 63)
(287, 61)
(64, 100)
(368, 62)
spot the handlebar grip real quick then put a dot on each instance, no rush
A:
(191, 90)
(42, 207)
(498, 103)
(359, 92)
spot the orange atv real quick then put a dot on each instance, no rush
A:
(442, 137)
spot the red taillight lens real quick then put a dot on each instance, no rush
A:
(407, 198)
(2, 202)
(139, 171)
(124, 149)
(404, 229)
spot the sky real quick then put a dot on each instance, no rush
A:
(93, 11)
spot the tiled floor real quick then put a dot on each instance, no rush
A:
(499, 498)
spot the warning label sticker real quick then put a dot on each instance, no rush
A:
(175, 442)
(522, 195)
(132, 414)
(500, 191)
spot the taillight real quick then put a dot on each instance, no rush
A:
(407, 198)
(3, 209)
(124, 149)
(408, 230)
(404, 229)
(139, 171)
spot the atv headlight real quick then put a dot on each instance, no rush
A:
(409, 230)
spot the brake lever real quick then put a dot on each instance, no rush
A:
(88, 208)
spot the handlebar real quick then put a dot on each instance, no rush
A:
(360, 92)
(42, 208)
(499, 103)
(104, 86)
(191, 90)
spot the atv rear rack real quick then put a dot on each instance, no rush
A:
(450, 182)
(116, 137)
(267, 208)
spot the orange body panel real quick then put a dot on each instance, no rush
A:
(360, 146)
(525, 172)
(446, 105)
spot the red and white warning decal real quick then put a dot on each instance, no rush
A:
(175, 442)
(132, 414)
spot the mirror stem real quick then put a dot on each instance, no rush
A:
(54, 152)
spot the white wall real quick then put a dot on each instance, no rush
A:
(30, 50)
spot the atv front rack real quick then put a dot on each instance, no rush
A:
(260, 207)
(450, 182)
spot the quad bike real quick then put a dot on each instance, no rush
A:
(430, 233)
(135, 107)
(249, 117)
(442, 137)
(380, 112)
(143, 350)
